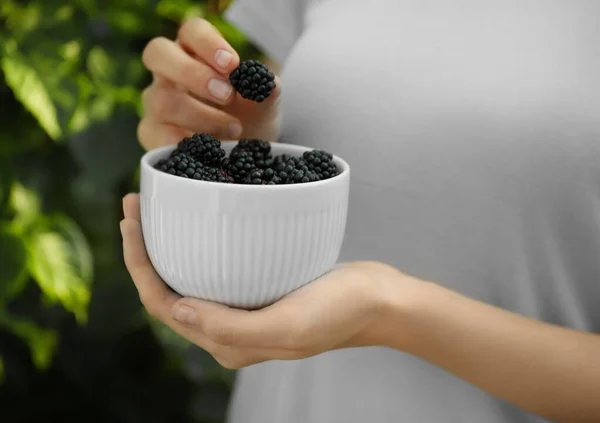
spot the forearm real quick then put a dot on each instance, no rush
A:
(546, 369)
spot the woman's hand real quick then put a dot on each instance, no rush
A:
(364, 304)
(191, 91)
(345, 308)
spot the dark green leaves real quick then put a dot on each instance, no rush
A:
(13, 264)
(30, 89)
(61, 263)
(42, 342)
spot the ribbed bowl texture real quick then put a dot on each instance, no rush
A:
(245, 246)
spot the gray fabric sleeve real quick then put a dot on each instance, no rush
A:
(272, 25)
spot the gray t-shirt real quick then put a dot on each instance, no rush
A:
(473, 132)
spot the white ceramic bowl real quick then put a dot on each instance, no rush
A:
(241, 245)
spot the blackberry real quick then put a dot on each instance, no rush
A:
(239, 165)
(294, 170)
(183, 165)
(281, 159)
(253, 80)
(204, 148)
(321, 162)
(180, 164)
(214, 174)
(259, 150)
(263, 177)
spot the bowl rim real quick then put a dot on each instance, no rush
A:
(152, 155)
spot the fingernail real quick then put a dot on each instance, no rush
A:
(223, 58)
(234, 130)
(219, 89)
(184, 314)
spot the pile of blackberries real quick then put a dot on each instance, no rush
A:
(201, 157)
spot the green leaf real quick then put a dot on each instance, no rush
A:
(90, 6)
(61, 262)
(100, 64)
(5, 186)
(42, 342)
(71, 50)
(64, 13)
(80, 119)
(27, 86)
(69, 230)
(179, 10)
(26, 205)
(21, 19)
(102, 107)
(128, 21)
(13, 265)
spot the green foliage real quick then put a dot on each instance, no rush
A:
(13, 262)
(71, 324)
(42, 342)
(61, 262)
(29, 88)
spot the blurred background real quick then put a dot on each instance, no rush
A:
(75, 343)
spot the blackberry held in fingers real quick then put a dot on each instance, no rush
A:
(253, 80)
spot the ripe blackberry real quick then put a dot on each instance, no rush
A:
(259, 150)
(214, 174)
(263, 177)
(204, 148)
(253, 80)
(180, 164)
(281, 159)
(239, 165)
(321, 162)
(294, 171)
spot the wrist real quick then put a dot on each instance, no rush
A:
(403, 302)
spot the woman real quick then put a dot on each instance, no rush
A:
(471, 266)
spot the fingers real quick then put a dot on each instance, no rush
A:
(218, 331)
(152, 133)
(168, 59)
(154, 294)
(200, 38)
(165, 103)
(266, 328)
(274, 97)
(234, 338)
(131, 207)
